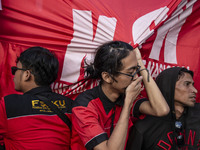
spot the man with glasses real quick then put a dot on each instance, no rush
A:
(101, 116)
(27, 121)
(180, 129)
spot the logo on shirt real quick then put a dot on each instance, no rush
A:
(191, 141)
(42, 107)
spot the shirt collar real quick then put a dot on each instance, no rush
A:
(107, 103)
(38, 90)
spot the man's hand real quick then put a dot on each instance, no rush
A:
(138, 54)
(133, 90)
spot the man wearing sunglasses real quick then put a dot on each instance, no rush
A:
(26, 121)
(180, 129)
(101, 116)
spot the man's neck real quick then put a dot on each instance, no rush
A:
(112, 96)
(179, 109)
(29, 87)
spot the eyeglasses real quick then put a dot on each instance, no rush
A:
(14, 69)
(180, 137)
(132, 75)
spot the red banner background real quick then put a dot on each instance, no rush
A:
(167, 32)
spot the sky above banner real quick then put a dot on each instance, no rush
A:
(166, 31)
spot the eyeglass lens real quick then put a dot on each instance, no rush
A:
(137, 71)
(13, 70)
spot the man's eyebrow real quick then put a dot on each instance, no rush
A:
(192, 82)
(134, 67)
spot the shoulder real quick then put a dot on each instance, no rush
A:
(16, 104)
(84, 98)
(151, 124)
(60, 101)
(14, 99)
(193, 115)
(61, 97)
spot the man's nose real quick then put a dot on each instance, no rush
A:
(194, 89)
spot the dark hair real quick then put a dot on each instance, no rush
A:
(108, 58)
(42, 63)
(183, 71)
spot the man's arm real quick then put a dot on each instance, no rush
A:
(157, 105)
(118, 137)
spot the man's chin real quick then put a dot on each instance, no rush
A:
(18, 90)
(192, 104)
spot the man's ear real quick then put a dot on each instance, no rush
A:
(27, 75)
(106, 77)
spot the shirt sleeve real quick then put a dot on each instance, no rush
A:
(86, 123)
(136, 114)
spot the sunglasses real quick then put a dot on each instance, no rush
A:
(137, 68)
(14, 69)
(180, 137)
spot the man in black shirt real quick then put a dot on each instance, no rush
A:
(180, 128)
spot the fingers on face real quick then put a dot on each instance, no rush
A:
(138, 85)
(137, 82)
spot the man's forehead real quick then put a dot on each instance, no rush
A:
(129, 62)
(130, 67)
(186, 78)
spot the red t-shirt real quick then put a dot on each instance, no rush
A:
(26, 123)
(93, 116)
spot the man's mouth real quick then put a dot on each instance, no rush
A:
(193, 98)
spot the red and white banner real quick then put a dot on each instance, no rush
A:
(167, 31)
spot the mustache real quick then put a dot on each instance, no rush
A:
(193, 96)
